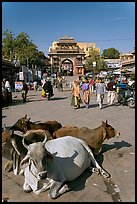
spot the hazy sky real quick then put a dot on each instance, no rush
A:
(108, 24)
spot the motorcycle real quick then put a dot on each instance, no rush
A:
(126, 97)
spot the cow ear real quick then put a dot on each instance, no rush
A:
(25, 116)
(104, 134)
(103, 123)
(25, 162)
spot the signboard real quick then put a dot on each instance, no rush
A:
(18, 85)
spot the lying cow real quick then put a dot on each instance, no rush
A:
(12, 145)
(94, 138)
(18, 151)
(49, 165)
(24, 124)
(32, 136)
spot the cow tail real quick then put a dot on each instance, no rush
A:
(94, 162)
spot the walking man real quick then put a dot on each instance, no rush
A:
(100, 91)
(111, 88)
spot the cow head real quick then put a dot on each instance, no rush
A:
(21, 124)
(109, 131)
(36, 158)
(6, 134)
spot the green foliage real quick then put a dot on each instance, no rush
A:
(94, 56)
(110, 53)
(20, 48)
(8, 45)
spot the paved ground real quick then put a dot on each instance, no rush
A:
(118, 156)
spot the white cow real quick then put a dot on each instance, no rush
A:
(49, 165)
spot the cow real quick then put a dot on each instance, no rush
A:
(18, 151)
(93, 137)
(24, 124)
(51, 164)
(32, 136)
(13, 147)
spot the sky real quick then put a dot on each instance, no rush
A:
(108, 24)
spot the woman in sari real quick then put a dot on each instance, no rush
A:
(76, 98)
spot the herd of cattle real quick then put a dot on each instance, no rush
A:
(49, 155)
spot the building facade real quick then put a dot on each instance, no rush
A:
(68, 57)
(128, 59)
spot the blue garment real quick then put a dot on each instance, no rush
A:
(85, 86)
(100, 88)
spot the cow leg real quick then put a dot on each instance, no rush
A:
(26, 187)
(64, 189)
(97, 151)
(9, 166)
(94, 162)
(46, 186)
(105, 174)
(57, 189)
(16, 160)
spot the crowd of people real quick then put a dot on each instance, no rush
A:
(82, 91)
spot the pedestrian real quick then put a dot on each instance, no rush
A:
(91, 81)
(76, 98)
(100, 91)
(111, 88)
(35, 84)
(7, 85)
(24, 91)
(86, 88)
(48, 89)
(59, 83)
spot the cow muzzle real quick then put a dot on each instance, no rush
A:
(42, 175)
(117, 134)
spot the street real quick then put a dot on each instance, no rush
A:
(118, 154)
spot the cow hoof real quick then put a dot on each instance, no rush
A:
(27, 191)
(105, 174)
(37, 192)
(26, 188)
(94, 170)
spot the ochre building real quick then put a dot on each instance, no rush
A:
(68, 57)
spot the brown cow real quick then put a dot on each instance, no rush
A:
(94, 138)
(13, 147)
(24, 124)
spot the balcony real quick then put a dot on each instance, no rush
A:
(66, 51)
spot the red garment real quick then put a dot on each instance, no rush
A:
(91, 81)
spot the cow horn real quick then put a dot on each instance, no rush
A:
(25, 145)
(45, 139)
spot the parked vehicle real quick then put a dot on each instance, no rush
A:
(126, 97)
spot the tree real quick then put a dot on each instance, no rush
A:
(21, 49)
(110, 53)
(94, 56)
(8, 44)
(26, 51)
